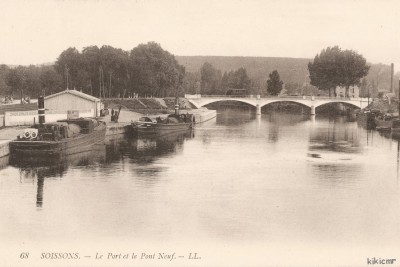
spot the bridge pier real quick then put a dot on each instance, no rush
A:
(258, 109)
(312, 110)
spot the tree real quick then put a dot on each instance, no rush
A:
(25, 81)
(71, 65)
(32, 85)
(154, 71)
(191, 82)
(335, 67)
(51, 81)
(236, 80)
(4, 88)
(15, 80)
(91, 63)
(293, 88)
(114, 62)
(210, 80)
(274, 83)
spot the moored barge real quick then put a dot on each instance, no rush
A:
(65, 136)
(173, 122)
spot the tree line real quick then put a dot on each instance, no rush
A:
(149, 70)
(29, 80)
(146, 70)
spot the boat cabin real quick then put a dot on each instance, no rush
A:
(61, 129)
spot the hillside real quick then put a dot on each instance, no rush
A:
(291, 70)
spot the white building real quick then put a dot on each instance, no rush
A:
(354, 91)
(73, 100)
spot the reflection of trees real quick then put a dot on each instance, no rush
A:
(337, 108)
(333, 150)
(398, 160)
(54, 166)
(334, 135)
(231, 116)
(277, 120)
(286, 119)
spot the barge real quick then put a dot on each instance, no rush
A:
(62, 137)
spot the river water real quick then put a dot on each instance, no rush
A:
(280, 189)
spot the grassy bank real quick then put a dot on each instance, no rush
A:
(147, 105)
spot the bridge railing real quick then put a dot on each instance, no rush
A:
(332, 98)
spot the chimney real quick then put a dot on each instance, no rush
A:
(41, 109)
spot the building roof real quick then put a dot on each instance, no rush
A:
(76, 93)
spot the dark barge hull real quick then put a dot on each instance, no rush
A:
(80, 143)
(161, 128)
(382, 125)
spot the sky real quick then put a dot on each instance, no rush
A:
(35, 32)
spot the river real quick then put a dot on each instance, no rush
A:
(280, 189)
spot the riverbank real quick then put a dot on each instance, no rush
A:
(148, 105)
(383, 105)
(126, 117)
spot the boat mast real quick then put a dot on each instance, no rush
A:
(101, 81)
(66, 76)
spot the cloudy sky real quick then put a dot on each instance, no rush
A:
(34, 32)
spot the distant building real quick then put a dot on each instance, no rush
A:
(236, 92)
(354, 91)
(73, 100)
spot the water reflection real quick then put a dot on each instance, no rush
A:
(116, 148)
(235, 117)
(285, 119)
(398, 161)
(334, 150)
(335, 136)
(144, 150)
(264, 179)
(31, 169)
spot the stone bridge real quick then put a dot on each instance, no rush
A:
(311, 102)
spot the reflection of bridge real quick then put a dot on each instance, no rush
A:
(311, 102)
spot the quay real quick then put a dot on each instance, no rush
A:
(4, 148)
(8, 134)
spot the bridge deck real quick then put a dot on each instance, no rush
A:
(309, 101)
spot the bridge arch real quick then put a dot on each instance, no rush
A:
(258, 103)
(339, 102)
(194, 103)
(283, 101)
(204, 102)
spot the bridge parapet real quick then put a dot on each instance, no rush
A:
(256, 101)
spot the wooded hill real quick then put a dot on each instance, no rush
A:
(34, 80)
(291, 70)
(258, 68)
